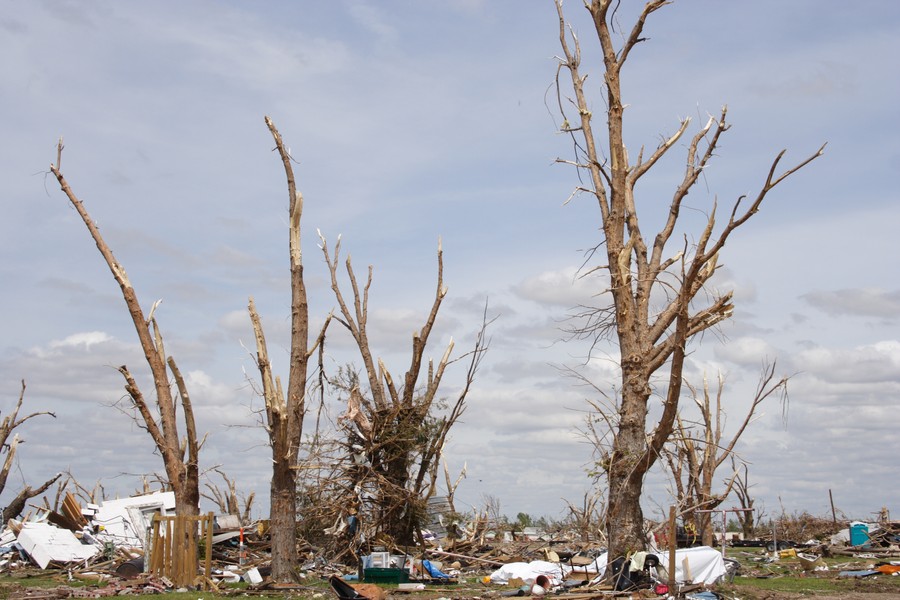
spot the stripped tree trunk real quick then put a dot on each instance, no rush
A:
(284, 413)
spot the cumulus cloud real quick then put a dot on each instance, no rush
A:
(86, 339)
(725, 279)
(861, 302)
(871, 363)
(568, 287)
(746, 351)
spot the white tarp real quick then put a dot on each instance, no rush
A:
(529, 571)
(705, 564)
(598, 567)
(44, 543)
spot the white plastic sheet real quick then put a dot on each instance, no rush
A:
(705, 564)
(529, 571)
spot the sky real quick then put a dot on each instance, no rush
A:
(419, 123)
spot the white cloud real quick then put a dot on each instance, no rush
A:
(569, 287)
(867, 302)
(875, 363)
(747, 351)
(86, 339)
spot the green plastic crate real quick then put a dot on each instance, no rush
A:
(386, 576)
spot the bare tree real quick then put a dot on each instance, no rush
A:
(649, 337)
(228, 500)
(17, 504)
(452, 486)
(491, 512)
(587, 519)
(180, 455)
(285, 409)
(696, 451)
(751, 513)
(95, 495)
(396, 428)
(8, 425)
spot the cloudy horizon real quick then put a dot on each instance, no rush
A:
(418, 122)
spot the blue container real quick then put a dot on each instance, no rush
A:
(859, 534)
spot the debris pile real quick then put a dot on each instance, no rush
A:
(107, 545)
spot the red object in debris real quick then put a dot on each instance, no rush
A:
(661, 589)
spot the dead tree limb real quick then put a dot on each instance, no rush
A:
(17, 504)
(7, 426)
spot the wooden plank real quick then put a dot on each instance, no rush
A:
(207, 571)
(72, 509)
(175, 548)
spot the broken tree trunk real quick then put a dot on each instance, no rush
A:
(284, 412)
(182, 471)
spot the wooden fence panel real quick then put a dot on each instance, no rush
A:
(174, 543)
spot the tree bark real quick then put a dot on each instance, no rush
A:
(282, 488)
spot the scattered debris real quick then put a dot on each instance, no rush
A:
(105, 546)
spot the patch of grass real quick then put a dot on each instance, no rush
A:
(788, 584)
(40, 579)
(759, 576)
(34, 579)
(812, 586)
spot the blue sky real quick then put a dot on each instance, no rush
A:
(413, 121)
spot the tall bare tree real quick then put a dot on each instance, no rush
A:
(650, 338)
(696, 451)
(285, 411)
(180, 455)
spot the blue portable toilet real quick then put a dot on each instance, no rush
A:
(859, 533)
